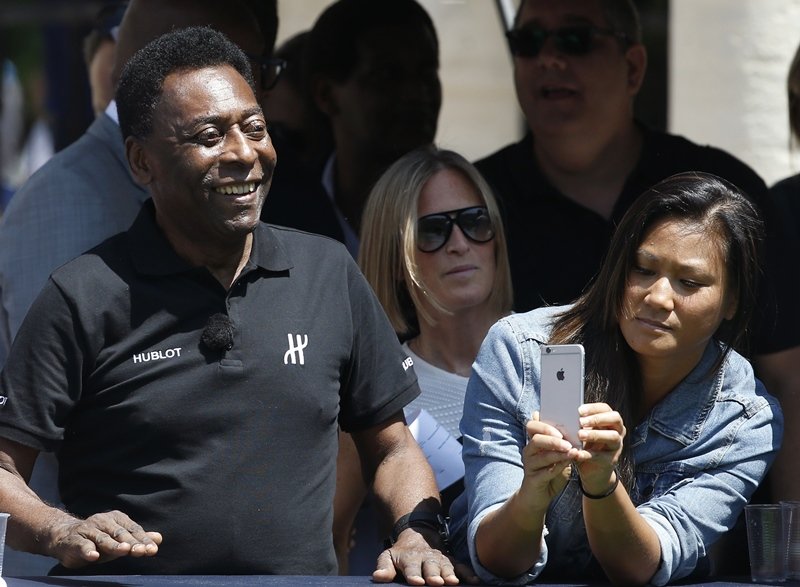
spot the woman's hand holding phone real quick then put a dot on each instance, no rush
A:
(547, 460)
(602, 434)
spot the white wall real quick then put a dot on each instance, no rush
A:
(728, 66)
(479, 109)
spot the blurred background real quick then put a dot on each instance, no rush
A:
(716, 74)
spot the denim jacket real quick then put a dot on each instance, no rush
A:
(698, 455)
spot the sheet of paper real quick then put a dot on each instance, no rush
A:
(440, 447)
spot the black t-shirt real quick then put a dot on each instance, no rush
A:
(297, 198)
(786, 194)
(556, 246)
(230, 454)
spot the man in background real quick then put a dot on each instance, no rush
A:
(373, 75)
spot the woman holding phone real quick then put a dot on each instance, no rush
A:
(676, 432)
(434, 251)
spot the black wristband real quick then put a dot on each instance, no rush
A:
(428, 520)
(611, 490)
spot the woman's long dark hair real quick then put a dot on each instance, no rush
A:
(730, 221)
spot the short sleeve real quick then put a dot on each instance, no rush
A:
(380, 379)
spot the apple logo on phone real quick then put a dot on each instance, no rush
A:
(560, 374)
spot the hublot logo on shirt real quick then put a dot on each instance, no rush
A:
(3, 400)
(407, 363)
(295, 351)
(157, 355)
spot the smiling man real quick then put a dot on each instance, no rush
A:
(86, 193)
(191, 373)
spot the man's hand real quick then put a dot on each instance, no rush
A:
(414, 557)
(100, 538)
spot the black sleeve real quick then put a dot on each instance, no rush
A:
(42, 378)
(380, 380)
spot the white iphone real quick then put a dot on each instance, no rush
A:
(562, 388)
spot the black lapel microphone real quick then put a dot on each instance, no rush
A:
(218, 333)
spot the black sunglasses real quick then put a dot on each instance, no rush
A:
(434, 230)
(570, 40)
(269, 68)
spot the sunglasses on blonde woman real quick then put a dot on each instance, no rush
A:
(434, 230)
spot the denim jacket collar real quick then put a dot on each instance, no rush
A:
(681, 414)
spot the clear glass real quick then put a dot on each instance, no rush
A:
(766, 541)
(791, 523)
(3, 523)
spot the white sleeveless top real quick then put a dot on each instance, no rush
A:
(442, 393)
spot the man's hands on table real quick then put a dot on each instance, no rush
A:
(419, 556)
(99, 538)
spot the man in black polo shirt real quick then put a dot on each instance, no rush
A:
(191, 373)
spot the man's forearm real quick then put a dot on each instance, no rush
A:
(404, 482)
(30, 516)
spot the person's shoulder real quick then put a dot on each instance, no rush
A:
(788, 187)
(301, 244)
(501, 159)
(290, 234)
(95, 144)
(683, 147)
(786, 195)
(100, 258)
(535, 324)
(58, 175)
(84, 170)
(740, 384)
(681, 154)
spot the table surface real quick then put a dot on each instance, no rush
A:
(282, 581)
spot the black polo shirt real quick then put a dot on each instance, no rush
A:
(229, 454)
(556, 246)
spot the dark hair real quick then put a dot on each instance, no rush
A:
(612, 372)
(293, 51)
(142, 79)
(104, 28)
(620, 15)
(333, 40)
(266, 13)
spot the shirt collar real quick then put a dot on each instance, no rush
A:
(111, 111)
(152, 254)
(681, 414)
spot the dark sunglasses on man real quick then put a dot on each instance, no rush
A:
(269, 69)
(571, 40)
(434, 230)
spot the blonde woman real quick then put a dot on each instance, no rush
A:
(434, 250)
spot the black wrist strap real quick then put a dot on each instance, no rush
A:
(428, 520)
(611, 489)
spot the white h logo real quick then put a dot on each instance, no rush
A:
(302, 342)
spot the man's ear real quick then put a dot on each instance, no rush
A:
(324, 98)
(138, 161)
(636, 57)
